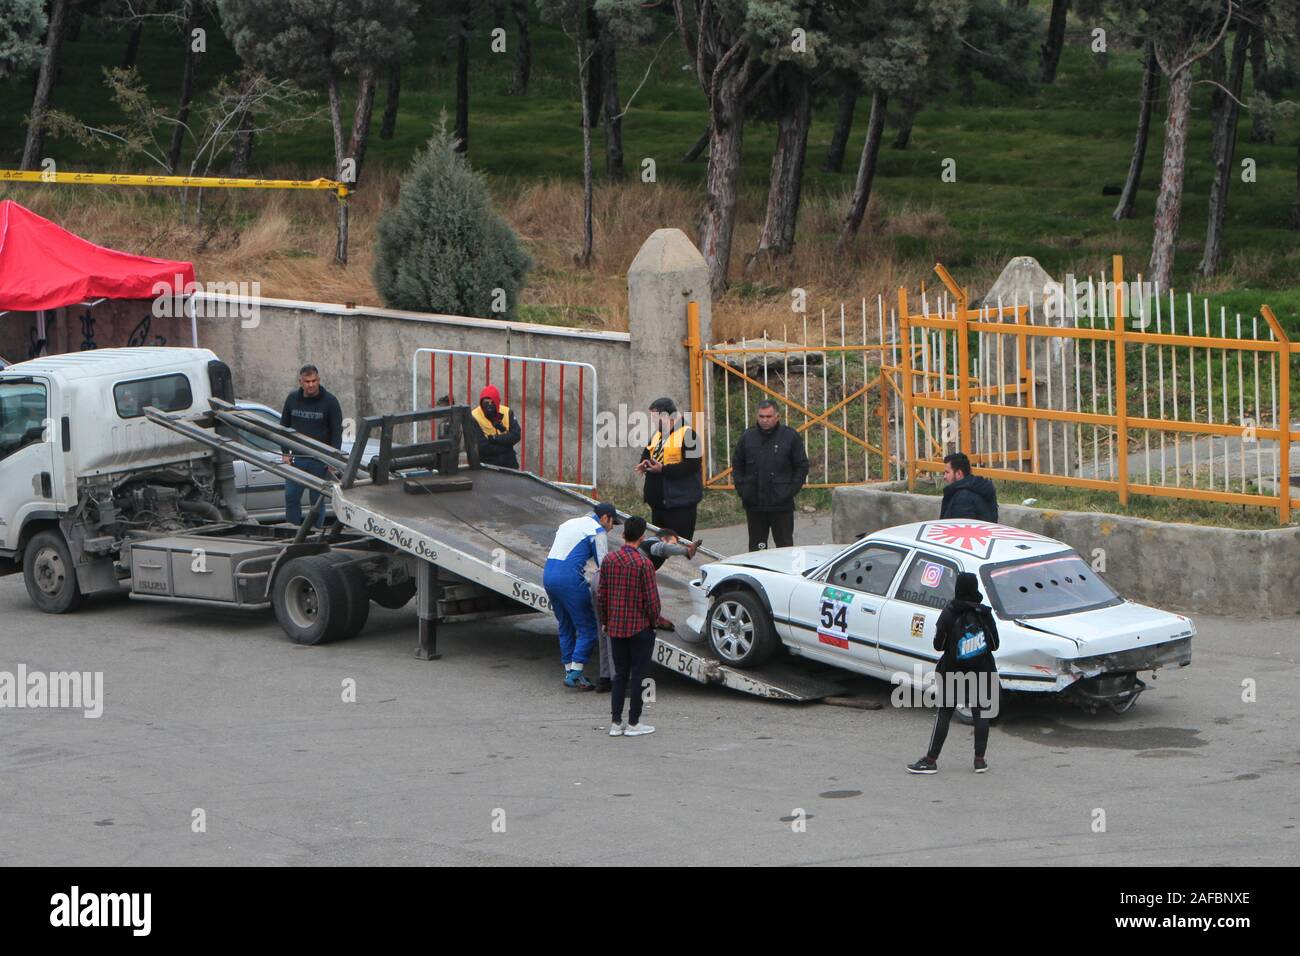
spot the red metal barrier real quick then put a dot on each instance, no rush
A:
(537, 449)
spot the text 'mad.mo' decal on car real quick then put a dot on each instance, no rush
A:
(971, 537)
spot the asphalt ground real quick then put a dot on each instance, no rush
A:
(482, 757)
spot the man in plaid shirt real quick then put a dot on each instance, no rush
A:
(628, 603)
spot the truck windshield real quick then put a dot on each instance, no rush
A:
(1040, 587)
(22, 416)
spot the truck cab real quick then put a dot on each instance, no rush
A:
(81, 468)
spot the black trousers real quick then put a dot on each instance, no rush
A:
(943, 717)
(631, 661)
(681, 520)
(780, 523)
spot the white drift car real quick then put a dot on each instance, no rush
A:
(871, 607)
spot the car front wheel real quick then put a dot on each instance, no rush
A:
(740, 630)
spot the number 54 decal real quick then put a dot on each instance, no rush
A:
(833, 628)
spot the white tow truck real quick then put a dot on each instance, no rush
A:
(116, 473)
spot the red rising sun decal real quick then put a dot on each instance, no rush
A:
(973, 538)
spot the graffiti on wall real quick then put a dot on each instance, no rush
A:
(88, 332)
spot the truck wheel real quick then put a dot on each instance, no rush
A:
(354, 586)
(739, 629)
(310, 599)
(393, 596)
(49, 573)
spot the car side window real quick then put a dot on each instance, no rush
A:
(870, 569)
(257, 441)
(930, 581)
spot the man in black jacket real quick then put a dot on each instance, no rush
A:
(966, 636)
(314, 412)
(967, 495)
(769, 467)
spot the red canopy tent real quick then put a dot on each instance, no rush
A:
(43, 266)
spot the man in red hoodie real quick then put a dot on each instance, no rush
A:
(500, 430)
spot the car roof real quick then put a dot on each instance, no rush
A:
(982, 541)
(259, 408)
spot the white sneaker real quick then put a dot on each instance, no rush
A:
(637, 730)
(617, 730)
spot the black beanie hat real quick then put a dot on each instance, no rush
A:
(968, 588)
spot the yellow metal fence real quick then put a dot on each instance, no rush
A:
(1151, 396)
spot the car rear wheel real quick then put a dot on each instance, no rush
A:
(964, 715)
(739, 629)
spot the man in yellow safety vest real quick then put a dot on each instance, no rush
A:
(671, 464)
(496, 446)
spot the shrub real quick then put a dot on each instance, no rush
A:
(441, 248)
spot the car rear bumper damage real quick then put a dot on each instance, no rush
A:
(1101, 678)
(1165, 654)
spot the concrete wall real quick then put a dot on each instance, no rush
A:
(1178, 566)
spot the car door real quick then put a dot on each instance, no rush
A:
(908, 618)
(837, 613)
(263, 490)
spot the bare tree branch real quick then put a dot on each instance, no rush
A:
(1192, 60)
(628, 105)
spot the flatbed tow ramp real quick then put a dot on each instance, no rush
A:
(486, 527)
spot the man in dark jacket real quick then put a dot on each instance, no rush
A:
(769, 467)
(966, 636)
(967, 495)
(314, 412)
(499, 430)
(671, 464)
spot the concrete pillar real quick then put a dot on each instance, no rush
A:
(667, 273)
(1026, 282)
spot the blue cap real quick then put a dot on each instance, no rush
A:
(606, 510)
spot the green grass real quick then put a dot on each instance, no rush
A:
(1061, 498)
(561, 316)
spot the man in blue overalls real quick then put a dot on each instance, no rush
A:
(577, 541)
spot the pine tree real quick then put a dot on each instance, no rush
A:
(22, 23)
(441, 248)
